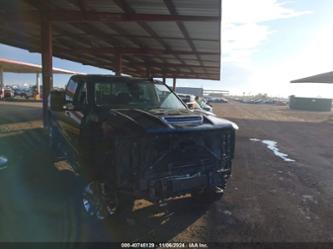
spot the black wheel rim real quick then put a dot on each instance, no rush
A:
(99, 200)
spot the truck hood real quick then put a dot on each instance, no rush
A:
(129, 121)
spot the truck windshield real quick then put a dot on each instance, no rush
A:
(138, 94)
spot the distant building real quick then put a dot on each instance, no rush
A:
(310, 104)
(216, 93)
(190, 90)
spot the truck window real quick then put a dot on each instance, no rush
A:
(139, 94)
(81, 99)
(70, 90)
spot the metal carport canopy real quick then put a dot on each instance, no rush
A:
(318, 78)
(12, 66)
(155, 38)
(142, 38)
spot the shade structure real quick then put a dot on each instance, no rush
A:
(318, 78)
(162, 38)
(12, 66)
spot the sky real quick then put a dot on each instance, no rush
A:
(265, 45)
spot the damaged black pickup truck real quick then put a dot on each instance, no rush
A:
(134, 138)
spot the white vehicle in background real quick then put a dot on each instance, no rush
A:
(204, 105)
(191, 103)
(189, 100)
(8, 92)
(2, 92)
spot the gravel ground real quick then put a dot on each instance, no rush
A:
(267, 199)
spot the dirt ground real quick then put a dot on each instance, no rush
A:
(267, 199)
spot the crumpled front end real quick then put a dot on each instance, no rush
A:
(162, 165)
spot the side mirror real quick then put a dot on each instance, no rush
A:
(68, 107)
(57, 101)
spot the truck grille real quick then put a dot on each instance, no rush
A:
(228, 144)
(169, 154)
(184, 162)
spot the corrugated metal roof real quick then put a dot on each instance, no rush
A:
(318, 78)
(174, 38)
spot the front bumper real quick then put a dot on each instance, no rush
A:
(166, 187)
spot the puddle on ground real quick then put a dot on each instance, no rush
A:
(3, 162)
(272, 145)
(309, 198)
(227, 212)
(255, 139)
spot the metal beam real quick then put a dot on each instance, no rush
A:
(46, 49)
(148, 72)
(158, 74)
(130, 11)
(168, 74)
(1, 77)
(128, 35)
(148, 68)
(174, 84)
(142, 51)
(118, 64)
(172, 9)
(173, 65)
(82, 6)
(70, 16)
(37, 87)
(114, 42)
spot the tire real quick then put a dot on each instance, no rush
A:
(125, 205)
(100, 202)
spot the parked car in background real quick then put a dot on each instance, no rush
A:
(216, 100)
(8, 92)
(204, 105)
(26, 92)
(2, 93)
(133, 138)
(191, 102)
(36, 91)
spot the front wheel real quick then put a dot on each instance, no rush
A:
(100, 201)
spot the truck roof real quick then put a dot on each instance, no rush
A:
(103, 77)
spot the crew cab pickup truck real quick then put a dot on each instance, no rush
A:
(134, 138)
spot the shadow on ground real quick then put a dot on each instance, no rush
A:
(9, 113)
(39, 203)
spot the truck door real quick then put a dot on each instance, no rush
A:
(71, 118)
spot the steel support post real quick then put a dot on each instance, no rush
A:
(47, 76)
(118, 64)
(174, 84)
